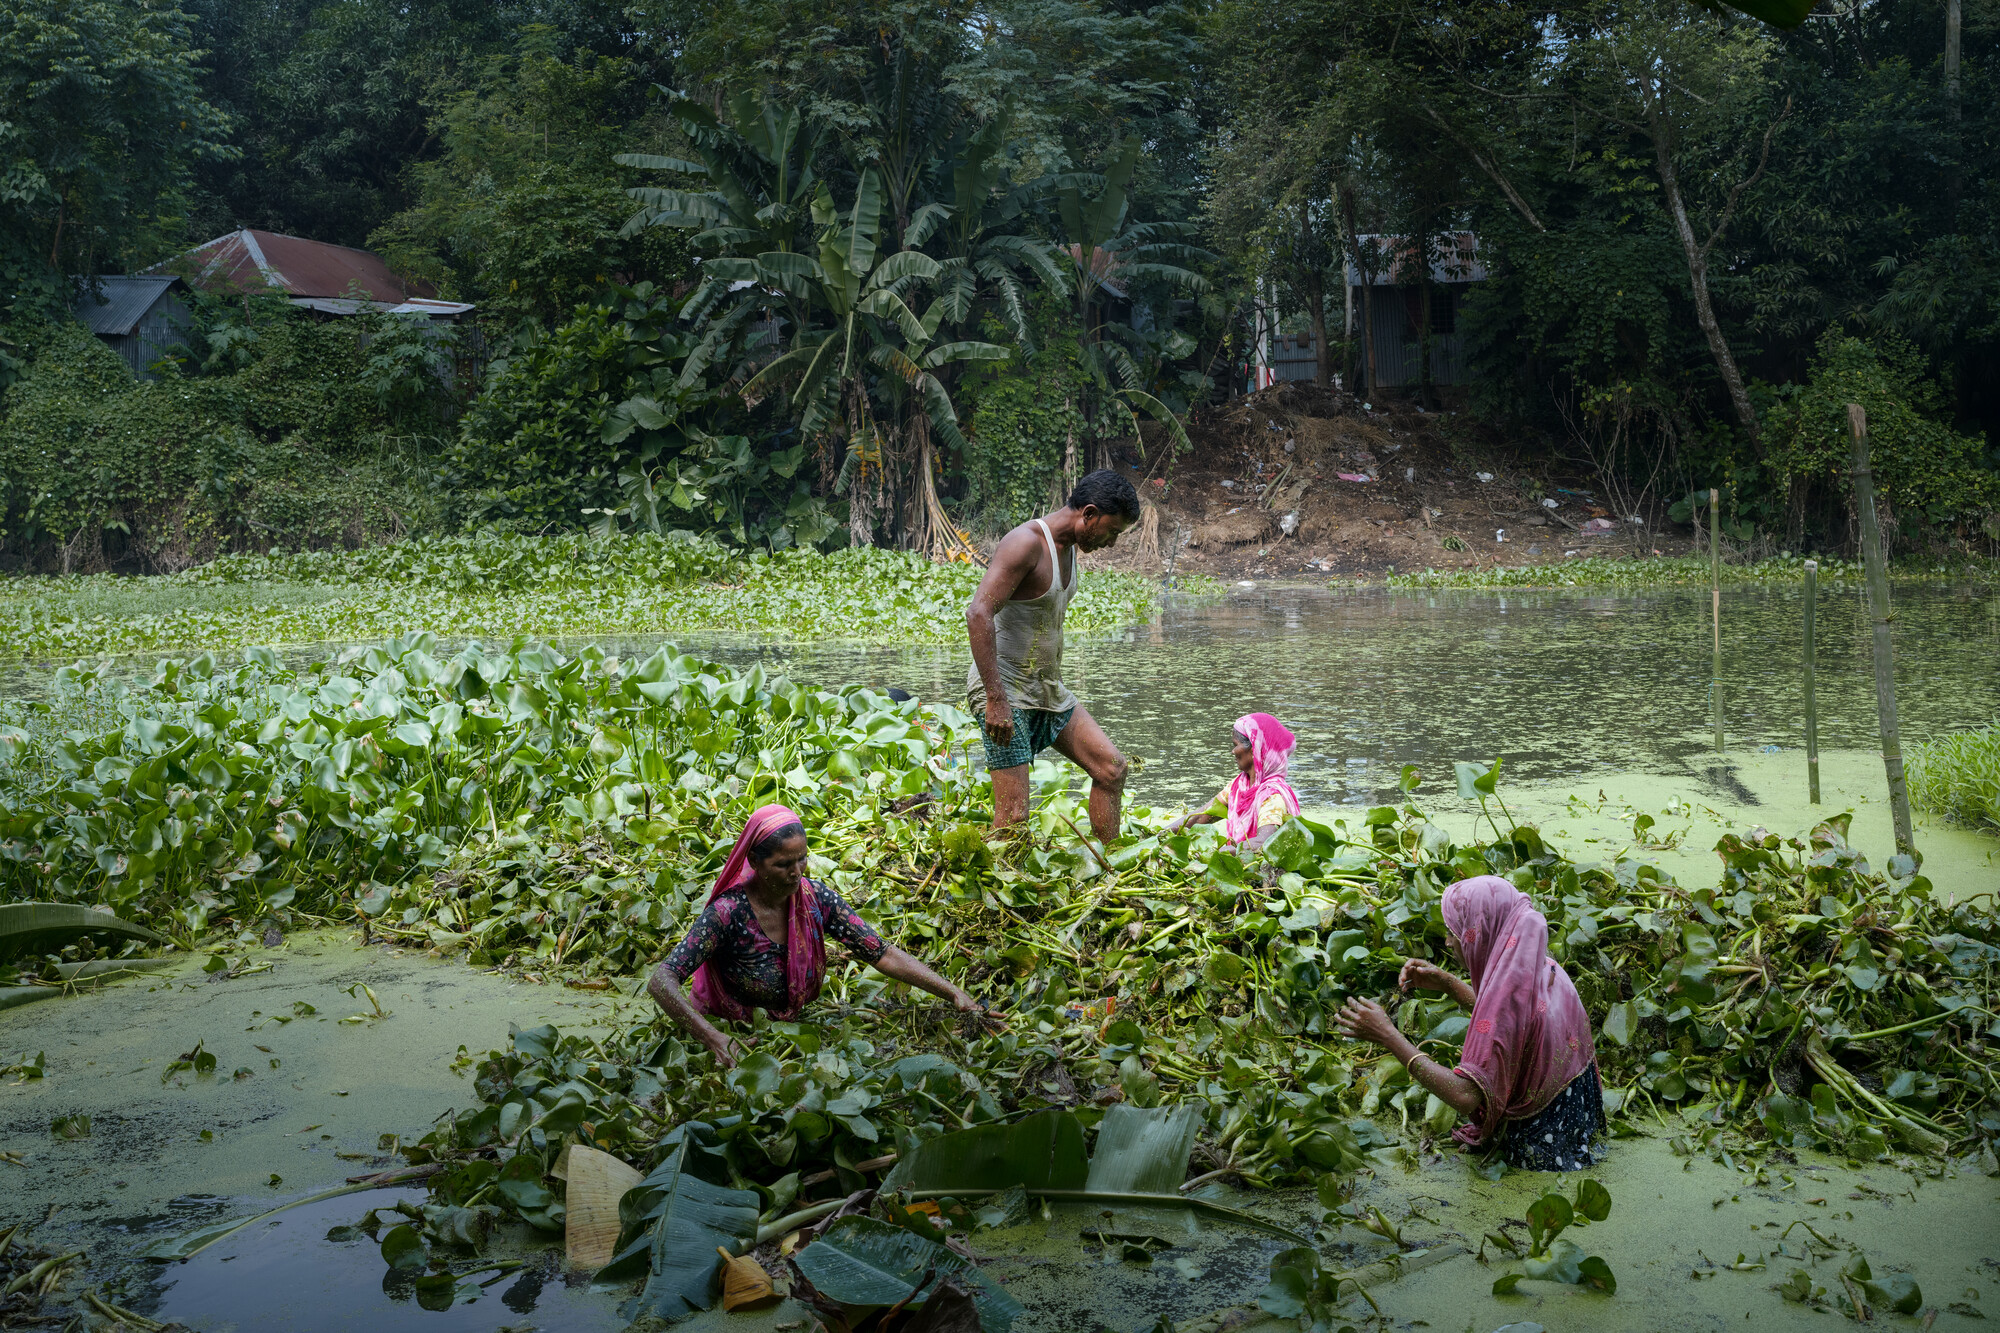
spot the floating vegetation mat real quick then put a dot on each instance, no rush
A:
(563, 817)
(544, 586)
(1688, 571)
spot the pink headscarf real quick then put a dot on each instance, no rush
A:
(1530, 1035)
(805, 936)
(1270, 748)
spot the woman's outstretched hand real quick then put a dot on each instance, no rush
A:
(1365, 1020)
(976, 1017)
(1420, 975)
(724, 1050)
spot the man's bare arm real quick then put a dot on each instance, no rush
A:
(1013, 561)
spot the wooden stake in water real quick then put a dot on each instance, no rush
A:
(1812, 702)
(1715, 607)
(1878, 614)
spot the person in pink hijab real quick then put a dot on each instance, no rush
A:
(1258, 800)
(760, 941)
(1527, 1075)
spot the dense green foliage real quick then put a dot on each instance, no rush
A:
(1699, 232)
(1679, 211)
(495, 586)
(304, 435)
(102, 120)
(1926, 474)
(1959, 775)
(565, 814)
(1027, 431)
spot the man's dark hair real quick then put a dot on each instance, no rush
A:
(762, 848)
(1110, 492)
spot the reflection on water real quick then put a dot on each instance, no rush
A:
(287, 1273)
(1563, 685)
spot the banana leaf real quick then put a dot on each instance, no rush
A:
(865, 1262)
(1044, 1151)
(672, 1222)
(31, 928)
(1144, 1150)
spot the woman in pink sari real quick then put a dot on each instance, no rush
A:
(1255, 803)
(760, 941)
(1528, 1072)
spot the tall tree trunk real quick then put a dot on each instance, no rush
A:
(1951, 20)
(1427, 390)
(1661, 134)
(1315, 285)
(1368, 381)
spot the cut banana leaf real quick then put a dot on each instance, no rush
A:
(31, 928)
(1044, 1151)
(861, 1261)
(1144, 1150)
(673, 1222)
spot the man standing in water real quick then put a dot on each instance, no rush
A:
(1016, 624)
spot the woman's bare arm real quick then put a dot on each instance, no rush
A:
(666, 992)
(1365, 1020)
(902, 966)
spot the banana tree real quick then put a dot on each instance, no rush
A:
(984, 260)
(754, 194)
(1107, 247)
(854, 293)
(911, 382)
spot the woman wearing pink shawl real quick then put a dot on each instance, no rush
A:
(1529, 1067)
(1258, 800)
(760, 941)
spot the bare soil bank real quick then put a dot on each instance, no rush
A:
(1270, 490)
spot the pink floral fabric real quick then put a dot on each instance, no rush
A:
(805, 941)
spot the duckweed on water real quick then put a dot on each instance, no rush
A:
(1664, 572)
(564, 815)
(544, 586)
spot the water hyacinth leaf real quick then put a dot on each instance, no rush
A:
(33, 928)
(1504, 1284)
(1593, 1200)
(1595, 1273)
(1144, 1151)
(861, 1261)
(404, 1249)
(1041, 1151)
(1548, 1216)
(1563, 1263)
(1894, 1291)
(1621, 1021)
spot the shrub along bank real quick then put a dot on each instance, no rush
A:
(546, 586)
(564, 815)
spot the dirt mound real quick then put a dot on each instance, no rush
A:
(1297, 480)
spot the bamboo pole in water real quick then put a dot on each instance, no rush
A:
(1812, 701)
(1877, 564)
(1715, 608)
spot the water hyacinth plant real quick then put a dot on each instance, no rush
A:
(562, 816)
(499, 586)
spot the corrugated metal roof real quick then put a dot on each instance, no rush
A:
(1454, 258)
(416, 305)
(121, 302)
(251, 259)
